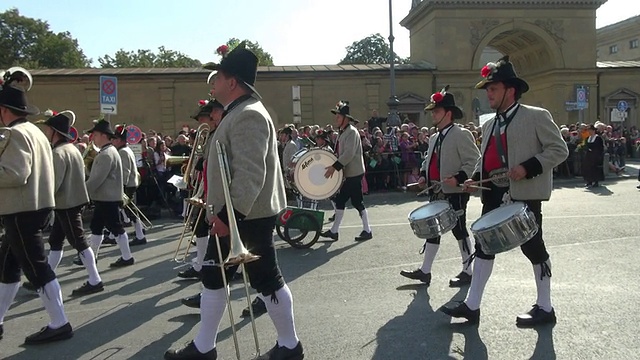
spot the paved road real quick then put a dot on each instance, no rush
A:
(350, 302)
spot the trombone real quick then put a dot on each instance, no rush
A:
(131, 206)
(238, 254)
(190, 180)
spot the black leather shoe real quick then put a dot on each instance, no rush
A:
(87, 289)
(332, 218)
(192, 301)
(364, 236)
(190, 352)
(417, 275)
(109, 241)
(461, 279)
(282, 353)
(463, 311)
(330, 235)
(190, 273)
(137, 241)
(122, 263)
(29, 286)
(47, 335)
(258, 306)
(536, 316)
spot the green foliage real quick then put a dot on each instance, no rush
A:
(374, 49)
(29, 43)
(147, 59)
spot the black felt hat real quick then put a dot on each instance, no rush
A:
(205, 107)
(120, 132)
(342, 108)
(445, 99)
(320, 133)
(501, 71)
(60, 122)
(102, 126)
(15, 98)
(240, 62)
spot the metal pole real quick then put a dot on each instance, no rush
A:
(393, 118)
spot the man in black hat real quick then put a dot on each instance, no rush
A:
(451, 159)
(323, 139)
(105, 186)
(71, 196)
(524, 144)
(130, 179)
(250, 140)
(351, 163)
(26, 200)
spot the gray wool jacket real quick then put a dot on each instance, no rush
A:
(70, 188)
(533, 141)
(105, 178)
(257, 185)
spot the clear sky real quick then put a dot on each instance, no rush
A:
(294, 32)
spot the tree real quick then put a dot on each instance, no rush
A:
(374, 49)
(29, 43)
(147, 59)
(264, 58)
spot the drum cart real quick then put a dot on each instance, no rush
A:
(295, 225)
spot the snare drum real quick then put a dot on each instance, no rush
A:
(504, 228)
(305, 174)
(433, 219)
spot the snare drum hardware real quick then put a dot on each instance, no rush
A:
(433, 219)
(504, 228)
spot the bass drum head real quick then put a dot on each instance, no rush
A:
(309, 175)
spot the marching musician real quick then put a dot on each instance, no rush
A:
(351, 163)
(210, 113)
(290, 146)
(524, 144)
(130, 178)
(451, 158)
(105, 186)
(26, 200)
(71, 196)
(322, 140)
(249, 136)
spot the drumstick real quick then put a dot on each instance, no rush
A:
(497, 177)
(476, 187)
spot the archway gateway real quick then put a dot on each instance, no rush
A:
(549, 42)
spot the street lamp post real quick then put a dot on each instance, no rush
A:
(393, 119)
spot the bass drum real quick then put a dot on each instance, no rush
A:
(305, 174)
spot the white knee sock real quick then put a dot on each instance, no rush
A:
(201, 251)
(465, 252)
(89, 261)
(95, 241)
(365, 221)
(336, 223)
(51, 296)
(281, 314)
(125, 218)
(333, 204)
(7, 295)
(213, 303)
(543, 286)
(123, 244)
(139, 229)
(482, 269)
(430, 252)
(54, 258)
(185, 207)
